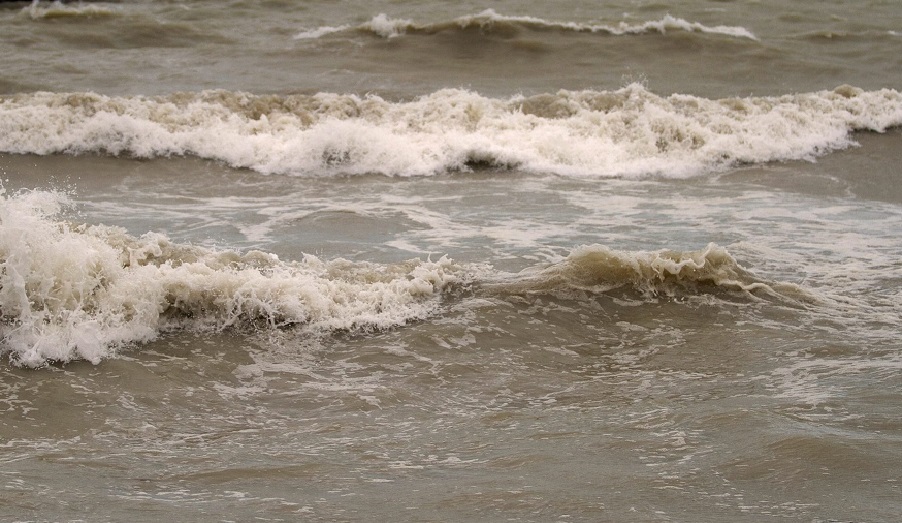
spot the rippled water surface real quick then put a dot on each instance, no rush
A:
(395, 261)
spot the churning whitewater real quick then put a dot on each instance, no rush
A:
(386, 260)
(70, 291)
(630, 132)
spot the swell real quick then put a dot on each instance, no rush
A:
(491, 22)
(83, 292)
(67, 23)
(630, 132)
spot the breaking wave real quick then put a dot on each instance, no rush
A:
(675, 274)
(83, 292)
(489, 21)
(630, 132)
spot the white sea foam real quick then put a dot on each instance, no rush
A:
(629, 132)
(319, 32)
(82, 292)
(38, 10)
(669, 22)
(387, 27)
(672, 23)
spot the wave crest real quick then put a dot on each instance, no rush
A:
(677, 274)
(629, 132)
(81, 292)
(489, 21)
(50, 10)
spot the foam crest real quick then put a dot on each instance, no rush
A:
(387, 27)
(38, 10)
(489, 20)
(629, 132)
(672, 23)
(82, 292)
(599, 269)
(489, 17)
(319, 32)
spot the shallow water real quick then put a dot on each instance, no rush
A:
(426, 262)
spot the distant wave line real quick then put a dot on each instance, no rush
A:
(386, 27)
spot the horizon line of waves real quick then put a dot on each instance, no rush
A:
(598, 269)
(629, 132)
(490, 21)
(84, 291)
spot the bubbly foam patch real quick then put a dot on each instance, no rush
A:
(82, 292)
(629, 132)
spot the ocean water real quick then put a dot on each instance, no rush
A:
(451, 261)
